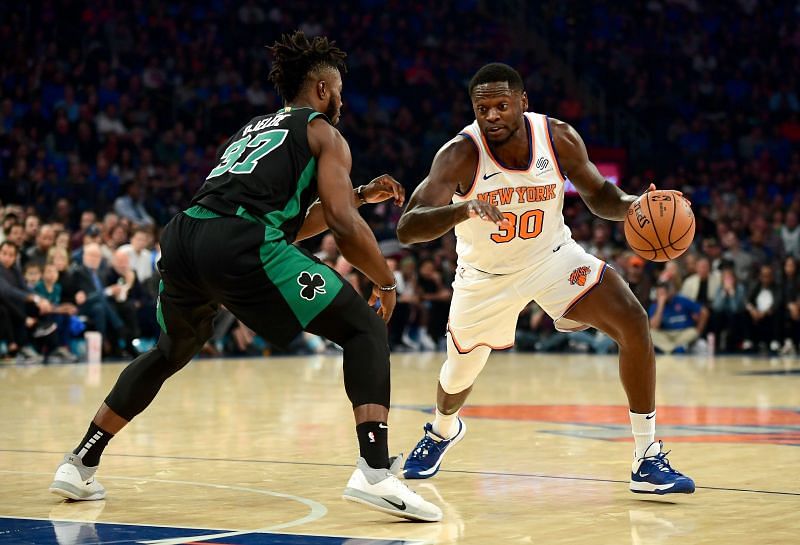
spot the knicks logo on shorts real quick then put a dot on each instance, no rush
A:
(579, 275)
(311, 285)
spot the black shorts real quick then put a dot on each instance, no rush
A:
(272, 286)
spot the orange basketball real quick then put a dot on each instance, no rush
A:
(659, 225)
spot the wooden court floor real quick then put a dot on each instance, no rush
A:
(259, 450)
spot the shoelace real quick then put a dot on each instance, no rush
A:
(400, 486)
(426, 444)
(661, 462)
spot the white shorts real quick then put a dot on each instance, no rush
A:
(486, 306)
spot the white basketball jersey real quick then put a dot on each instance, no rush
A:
(530, 198)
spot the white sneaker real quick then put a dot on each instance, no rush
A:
(75, 481)
(380, 489)
(426, 341)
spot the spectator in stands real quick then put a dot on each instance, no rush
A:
(702, 286)
(790, 296)
(86, 289)
(90, 236)
(729, 316)
(45, 239)
(790, 235)
(88, 218)
(675, 320)
(435, 296)
(638, 279)
(32, 224)
(130, 205)
(764, 306)
(742, 261)
(142, 259)
(124, 293)
(328, 251)
(50, 289)
(21, 307)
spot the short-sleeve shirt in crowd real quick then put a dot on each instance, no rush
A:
(267, 172)
(678, 313)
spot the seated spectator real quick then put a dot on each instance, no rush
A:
(21, 308)
(435, 296)
(763, 306)
(790, 235)
(702, 286)
(45, 239)
(742, 261)
(328, 251)
(675, 320)
(638, 279)
(791, 300)
(142, 258)
(728, 316)
(125, 294)
(130, 205)
(92, 235)
(86, 289)
(50, 288)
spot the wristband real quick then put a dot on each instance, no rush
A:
(388, 288)
(360, 194)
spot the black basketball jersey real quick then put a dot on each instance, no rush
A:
(266, 170)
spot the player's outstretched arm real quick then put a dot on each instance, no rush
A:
(430, 213)
(352, 234)
(382, 188)
(602, 197)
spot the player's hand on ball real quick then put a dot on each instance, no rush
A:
(477, 208)
(388, 300)
(384, 187)
(653, 188)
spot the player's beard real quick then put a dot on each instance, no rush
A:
(332, 112)
(498, 143)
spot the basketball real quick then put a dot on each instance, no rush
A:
(659, 225)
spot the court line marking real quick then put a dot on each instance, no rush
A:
(457, 471)
(317, 509)
(408, 542)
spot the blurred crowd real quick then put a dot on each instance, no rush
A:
(111, 115)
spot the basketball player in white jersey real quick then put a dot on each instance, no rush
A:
(500, 183)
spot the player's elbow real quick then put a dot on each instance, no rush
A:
(404, 234)
(407, 233)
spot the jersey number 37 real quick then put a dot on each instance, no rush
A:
(258, 146)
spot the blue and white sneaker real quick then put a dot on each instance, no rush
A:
(425, 459)
(652, 474)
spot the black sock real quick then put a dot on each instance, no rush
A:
(92, 445)
(373, 442)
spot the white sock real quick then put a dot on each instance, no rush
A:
(644, 431)
(445, 425)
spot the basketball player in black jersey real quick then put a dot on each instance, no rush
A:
(233, 247)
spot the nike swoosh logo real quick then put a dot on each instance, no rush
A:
(401, 505)
(650, 416)
(642, 475)
(383, 426)
(485, 177)
(557, 248)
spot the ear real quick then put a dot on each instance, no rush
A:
(524, 101)
(322, 89)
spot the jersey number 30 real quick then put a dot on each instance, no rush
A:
(528, 225)
(263, 143)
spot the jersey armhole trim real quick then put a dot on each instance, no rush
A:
(474, 183)
(553, 147)
(313, 115)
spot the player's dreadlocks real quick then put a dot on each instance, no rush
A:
(295, 57)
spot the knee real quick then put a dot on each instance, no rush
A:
(633, 324)
(460, 370)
